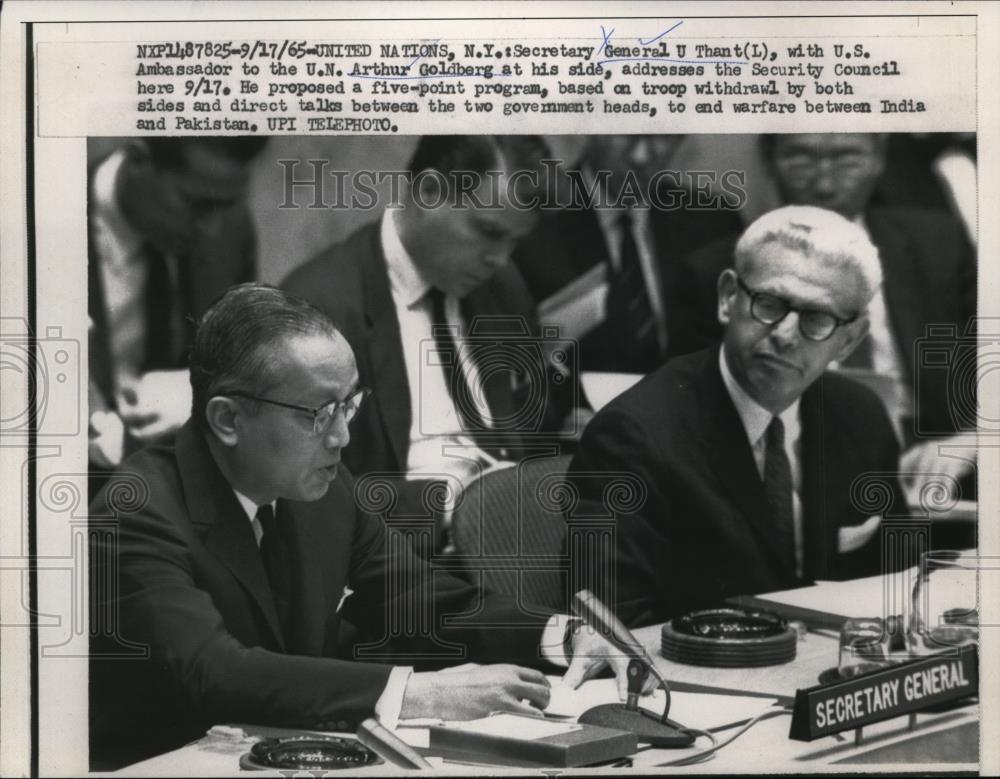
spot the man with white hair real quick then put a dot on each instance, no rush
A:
(749, 452)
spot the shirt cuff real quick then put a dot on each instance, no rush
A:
(390, 702)
(553, 637)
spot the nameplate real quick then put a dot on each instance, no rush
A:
(881, 695)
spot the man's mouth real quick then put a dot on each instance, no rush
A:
(780, 361)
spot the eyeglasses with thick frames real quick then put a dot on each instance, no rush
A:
(323, 416)
(770, 309)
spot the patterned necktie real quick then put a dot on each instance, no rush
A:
(778, 486)
(630, 312)
(455, 376)
(277, 563)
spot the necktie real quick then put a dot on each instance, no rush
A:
(277, 563)
(630, 312)
(455, 377)
(778, 486)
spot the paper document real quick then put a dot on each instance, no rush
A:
(855, 598)
(691, 709)
(515, 726)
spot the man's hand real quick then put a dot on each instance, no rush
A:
(472, 692)
(106, 439)
(592, 654)
(157, 404)
(922, 462)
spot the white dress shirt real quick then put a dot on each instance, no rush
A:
(756, 420)
(438, 443)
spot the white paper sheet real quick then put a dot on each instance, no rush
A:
(693, 710)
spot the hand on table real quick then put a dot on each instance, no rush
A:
(157, 404)
(592, 654)
(475, 691)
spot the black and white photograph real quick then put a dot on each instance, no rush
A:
(508, 389)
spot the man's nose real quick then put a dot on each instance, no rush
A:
(339, 434)
(208, 221)
(786, 332)
(499, 256)
(826, 180)
(640, 152)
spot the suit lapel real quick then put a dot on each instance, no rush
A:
(385, 350)
(310, 550)
(901, 284)
(734, 461)
(218, 517)
(817, 530)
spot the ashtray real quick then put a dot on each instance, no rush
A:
(308, 753)
(729, 638)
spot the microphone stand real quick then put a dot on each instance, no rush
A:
(650, 729)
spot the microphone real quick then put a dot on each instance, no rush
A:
(389, 746)
(648, 727)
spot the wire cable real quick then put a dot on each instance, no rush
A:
(698, 757)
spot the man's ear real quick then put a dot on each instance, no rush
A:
(727, 289)
(856, 331)
(220, 415)
(431, 188)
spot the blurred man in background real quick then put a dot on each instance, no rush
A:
(168, 231)
(633, 219)
(442, 324)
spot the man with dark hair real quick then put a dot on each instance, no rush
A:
(443, 327)
(168, 231)
(930, 280)
(749, 453)
(238, 550)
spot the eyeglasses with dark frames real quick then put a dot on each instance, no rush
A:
(323, 416)
(768, 309)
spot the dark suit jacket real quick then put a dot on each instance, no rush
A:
(350, 283)
(189, 584)
(929, 271)
(567, 243)
(226, 258)
(703, 532)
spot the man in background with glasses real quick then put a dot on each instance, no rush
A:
(224, 565)
(748, 452)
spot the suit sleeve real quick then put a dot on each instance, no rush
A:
(615, 477)
(394, 586)
(164, 608)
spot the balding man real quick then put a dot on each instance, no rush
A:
(748, 451)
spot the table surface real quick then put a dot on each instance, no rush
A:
(947, 739)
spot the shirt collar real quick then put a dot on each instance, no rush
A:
(248, 506)
(406, 281)
(115, 227)
(755, 417)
